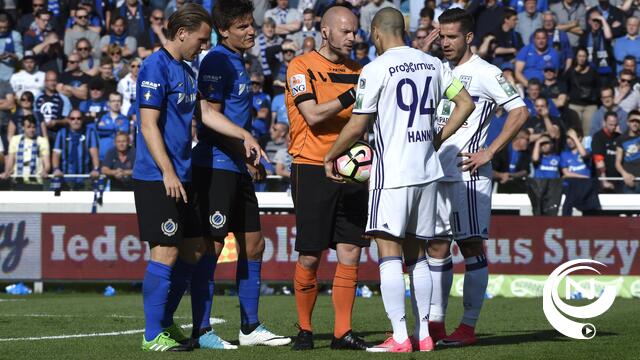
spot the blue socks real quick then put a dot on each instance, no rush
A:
(180, 277)
(155, 293)
(202, 286)
(248, 283)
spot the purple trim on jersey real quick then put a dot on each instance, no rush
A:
(411, 263)
(510, 100)
(380, 151)
(389, 258)
(481, 262)
(441, 268)
(375, 198)
(471, 203)
(474, 143)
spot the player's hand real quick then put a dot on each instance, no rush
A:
(475, 160)
(431, 37)
(503, 178)
(258, 173)
(629, 180)
(57, 173)
(253, 150)
(330, 171)
(94, 174)
(174, 187)
(4, 176)
(572, 133)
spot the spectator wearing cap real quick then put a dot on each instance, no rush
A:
(583, 84)
(75, 152)
(608, 105)
(88, 63)
(43, 41)
(597, 40)
(11, 50)
(571, 15)
(28, 158)
(133, 12)
(534, 58)
(557, 39)
(155, 34)
(29, 78)
(288, 20)
(96, 105)
(24, 109)
(603, 147)
(529, 20)
(308, 30)
(51, 107)
(127, 85)
(545, 186)
(508, 41)
(105, 74)
(80, 30)
(118, 35)
(110, 123)
(628, 45)
(74, 82)
(118, 163)
(627, 154)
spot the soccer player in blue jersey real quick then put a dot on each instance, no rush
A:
(166, 95)
(223, 180)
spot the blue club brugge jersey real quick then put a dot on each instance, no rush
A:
(548, 167)
(167, 85)
(575, 163)
(223, 78)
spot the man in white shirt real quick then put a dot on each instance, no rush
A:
(464, 193)
(402, 187)
(29, 78)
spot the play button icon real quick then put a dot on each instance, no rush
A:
(588, 331)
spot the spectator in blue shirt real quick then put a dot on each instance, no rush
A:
(110, 124)
(545, 188)
(557, 39)
(580, 187)
(535, 57)
(76, 152)
(629, 45)
(11, 50)
(96, 104)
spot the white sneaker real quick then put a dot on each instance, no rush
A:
(262, 336)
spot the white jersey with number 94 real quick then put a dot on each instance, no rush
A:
(402, 87)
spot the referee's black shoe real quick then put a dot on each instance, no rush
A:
(348, 341)
(304, 340)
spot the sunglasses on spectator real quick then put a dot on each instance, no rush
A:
(421, 37)
(83, 49)
(134, 66)
(72, 61)
(26, 99)
(37, 5)
(75, 118)
(256, 83)
(81, 16)
(156, 18)
(634, 120)
(625, 80)
(545, 143)
(115, 53)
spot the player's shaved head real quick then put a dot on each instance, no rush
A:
(335, 15)
(389, 21)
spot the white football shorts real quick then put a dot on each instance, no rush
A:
(463, 209)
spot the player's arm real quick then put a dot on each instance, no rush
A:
(464, 107)
(351, 132)
(301, 89)
(235, 138)
(519, 73)
(629, 179)
(153, 138)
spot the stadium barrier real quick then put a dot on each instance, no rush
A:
(521, 251)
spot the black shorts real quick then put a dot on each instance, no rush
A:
(162, 220)
(225, 201)
(327, 213)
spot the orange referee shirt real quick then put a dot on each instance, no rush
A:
(313, 77)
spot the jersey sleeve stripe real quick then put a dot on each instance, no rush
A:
(304, 97)
(363, 112)
(510, 100)
(150, 107)
(344, 78)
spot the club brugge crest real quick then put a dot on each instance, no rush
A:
(217, 220)
(169, 227)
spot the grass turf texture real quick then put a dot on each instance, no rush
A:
(508, 329)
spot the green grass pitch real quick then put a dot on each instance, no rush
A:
(508, 329)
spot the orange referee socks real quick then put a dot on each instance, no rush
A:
(305, 283)
(344, 295)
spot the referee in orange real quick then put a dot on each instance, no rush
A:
(319, 96)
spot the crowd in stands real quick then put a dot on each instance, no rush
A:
(68, 71)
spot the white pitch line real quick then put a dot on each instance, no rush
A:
(82, 316)
(7, 300)
(213, 321)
